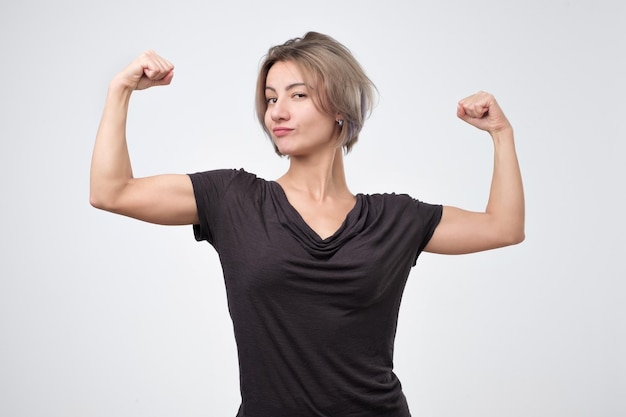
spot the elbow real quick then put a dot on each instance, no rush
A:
(94, 199)
(518, 238)
(97, 202)
(101, 201)
(513, 237)
(510, 231)
(96, 194)
(105, 196)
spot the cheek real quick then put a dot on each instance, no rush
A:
(267, 119)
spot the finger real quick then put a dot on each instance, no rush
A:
(482, 111)
(155, 67)
(467, 117)
(165, 80)
(460, 111)
(475, 106)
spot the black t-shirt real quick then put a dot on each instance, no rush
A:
(314, 319)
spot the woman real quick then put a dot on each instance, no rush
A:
(314, 273)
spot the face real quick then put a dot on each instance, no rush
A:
(296, 125)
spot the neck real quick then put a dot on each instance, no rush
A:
(320, 176)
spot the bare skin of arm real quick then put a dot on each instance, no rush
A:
(502, 223)
(162, 199)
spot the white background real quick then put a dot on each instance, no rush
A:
(101, 315)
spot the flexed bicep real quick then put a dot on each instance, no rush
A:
(162, 199)
(462, 231)
(502, 221)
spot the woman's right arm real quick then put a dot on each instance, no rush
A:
(162, 199)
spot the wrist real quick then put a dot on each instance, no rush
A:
(119, 89)
(121, 85)
(502, 134)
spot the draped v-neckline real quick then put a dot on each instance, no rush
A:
(291, 219)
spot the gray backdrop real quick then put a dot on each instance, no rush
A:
(103, 316)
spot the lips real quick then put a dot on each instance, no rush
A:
(281, 131)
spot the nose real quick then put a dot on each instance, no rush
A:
(278, 111)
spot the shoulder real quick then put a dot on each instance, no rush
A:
(392, 200)
(223, 175)
(403, 205)
(220, 180)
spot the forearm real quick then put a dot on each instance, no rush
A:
(506, 197)
(110, 165)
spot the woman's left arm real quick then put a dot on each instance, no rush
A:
(502, 222)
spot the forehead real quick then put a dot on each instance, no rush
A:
(284, 73)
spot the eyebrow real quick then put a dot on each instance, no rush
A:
(289, 87)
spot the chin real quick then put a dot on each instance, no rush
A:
(285, 150)
(287, 153)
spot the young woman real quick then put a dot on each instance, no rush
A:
(314, 273)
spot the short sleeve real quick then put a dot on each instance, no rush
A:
(429, 216)
(209, 188)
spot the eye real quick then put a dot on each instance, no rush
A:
(271, 100)
(299, 95)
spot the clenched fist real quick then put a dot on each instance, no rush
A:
(147, 70)
(482, 111)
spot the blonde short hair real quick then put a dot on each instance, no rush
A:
(337, 77)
